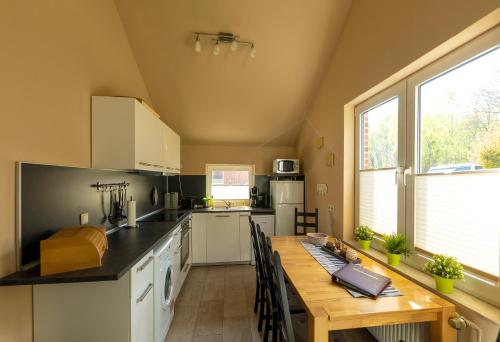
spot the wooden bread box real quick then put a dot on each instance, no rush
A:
(73, 248)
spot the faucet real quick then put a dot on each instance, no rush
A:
(228, 204)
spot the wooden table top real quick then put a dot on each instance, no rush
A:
(321, 296)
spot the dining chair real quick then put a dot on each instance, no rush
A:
(260, 286)
(294, 327)
(304, 224)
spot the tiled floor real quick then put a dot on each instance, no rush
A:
(216, 304)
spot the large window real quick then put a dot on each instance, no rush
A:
(229, 182)
(446, 180)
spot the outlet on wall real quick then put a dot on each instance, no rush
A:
(331, 208)
(84, 218)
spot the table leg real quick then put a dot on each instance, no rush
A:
(440, 330)
(318, 325)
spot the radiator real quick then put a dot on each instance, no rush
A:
(414, 332)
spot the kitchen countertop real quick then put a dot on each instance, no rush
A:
(125, 248)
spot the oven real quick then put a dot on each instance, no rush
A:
(185, 242)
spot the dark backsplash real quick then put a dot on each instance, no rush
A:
(53, 197)
(194, 186)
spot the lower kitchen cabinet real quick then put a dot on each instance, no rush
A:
(121, 310)
(223, 237)
(199, 237)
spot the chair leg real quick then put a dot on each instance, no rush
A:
(257, 289)
(275, 326)
(261, 309)
(268, 321)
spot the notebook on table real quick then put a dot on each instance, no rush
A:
(362, 280)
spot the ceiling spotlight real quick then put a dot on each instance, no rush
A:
(253, 51)
(216, 49)
(197, 44)
(234, 45)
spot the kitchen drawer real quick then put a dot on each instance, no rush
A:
(141, 275)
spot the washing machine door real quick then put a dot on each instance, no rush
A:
(168, 289)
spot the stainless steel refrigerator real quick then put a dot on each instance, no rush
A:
(285, 197)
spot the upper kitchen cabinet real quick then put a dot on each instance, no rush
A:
(171, 150)
(128, 135)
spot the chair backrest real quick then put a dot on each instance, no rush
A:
(303, 224)
(267, 261)
(285, 320)
(256, 250)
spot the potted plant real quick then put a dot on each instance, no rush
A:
(364, 235)
(395, 245)
(445, 270)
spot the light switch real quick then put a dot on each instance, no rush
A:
(84, 218)
(321, 189)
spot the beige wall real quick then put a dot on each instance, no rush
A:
(194, 157)
(54, 56)
(379, 39)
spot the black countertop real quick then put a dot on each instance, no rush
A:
(126, 248)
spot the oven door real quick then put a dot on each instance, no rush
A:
(185, 247)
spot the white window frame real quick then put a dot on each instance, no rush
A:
(397, 90)
(474, 283)
(209, 168)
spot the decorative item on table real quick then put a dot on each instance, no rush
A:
(73, 248)
(445, 270)
(364, 235)
(349, 255)
(395, 245)
(318, 239)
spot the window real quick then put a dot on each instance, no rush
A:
(229, 182)
(379, 134)
(430, 169)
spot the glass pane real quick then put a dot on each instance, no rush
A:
(459, 215)
(378, 200)
(460, 117)
(379, 136)
(230, 184)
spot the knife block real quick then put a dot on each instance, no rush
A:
(73, 248)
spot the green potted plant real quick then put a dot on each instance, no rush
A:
(445, 270)
(395, 245)
(364, 235)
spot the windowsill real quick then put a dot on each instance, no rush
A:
(458, 297)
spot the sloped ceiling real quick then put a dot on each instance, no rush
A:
(232, 98)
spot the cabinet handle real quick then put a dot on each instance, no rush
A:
(222, 216)
(144, 294)
(146, 263)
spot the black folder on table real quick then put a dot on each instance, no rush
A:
(360, 279)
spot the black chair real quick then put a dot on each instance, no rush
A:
(293, 328)
(260, 287)
(304, 224)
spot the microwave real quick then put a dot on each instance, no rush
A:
(286, 166)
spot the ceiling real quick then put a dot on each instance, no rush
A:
(232, 98)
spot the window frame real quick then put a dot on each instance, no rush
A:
(475, 282)
(397, 90)
(209, 168)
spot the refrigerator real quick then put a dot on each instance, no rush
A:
(285, 197)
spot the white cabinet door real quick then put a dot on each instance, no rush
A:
(148, 140)
(142, 320)
(223, 237)
(172, 150)
(266, 223)
(199, 238)
(245, 238)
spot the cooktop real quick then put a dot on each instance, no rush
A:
(164, 216)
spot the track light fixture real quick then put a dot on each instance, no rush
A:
(223, 38)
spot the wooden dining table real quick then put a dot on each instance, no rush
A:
(330, 307)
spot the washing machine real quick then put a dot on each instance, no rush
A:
(164, 278)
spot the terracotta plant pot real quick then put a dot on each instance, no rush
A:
(393, 259)
(444, 285)
(364, 244)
